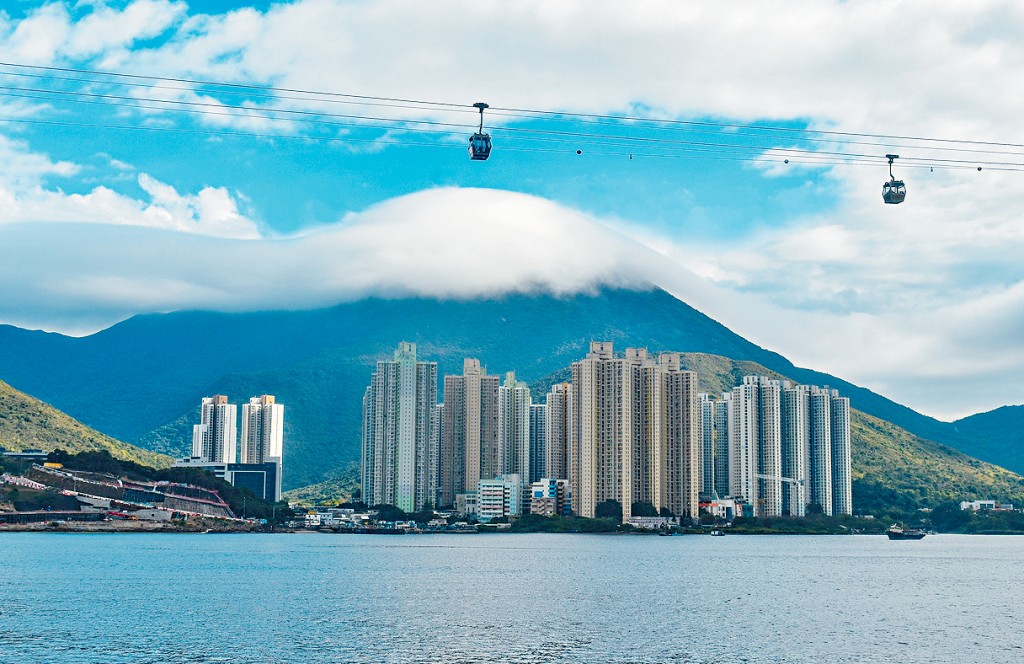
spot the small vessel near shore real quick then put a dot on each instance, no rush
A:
(717, 533)
(898, 532)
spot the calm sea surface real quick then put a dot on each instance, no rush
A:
(509, 598)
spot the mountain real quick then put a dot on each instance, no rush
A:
(28, 423)
(141, 380)
(996, 436)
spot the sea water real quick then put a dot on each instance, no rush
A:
(509, 598)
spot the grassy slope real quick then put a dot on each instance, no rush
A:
(997, 435)
(28, 423)
(337, 489)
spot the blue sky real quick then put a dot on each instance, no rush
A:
(923, 302)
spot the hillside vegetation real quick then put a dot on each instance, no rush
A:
(318, 364)
(28, 423)
(338, 489)
(996, 436)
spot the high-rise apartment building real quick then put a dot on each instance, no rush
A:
(214, 439)
(557, 426)
(755, 444)
(795, 450)
(262, 430)
(789, 447)
(680, 439)
(397, 408)
(436, 443)
(819, 457)
(714, 447)
(471, 447)
(538, 441)
(842, 480)
(514, 410)
(634, 432)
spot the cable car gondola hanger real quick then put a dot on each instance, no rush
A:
(480, 143)
(893, 191)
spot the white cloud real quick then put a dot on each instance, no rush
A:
(453, 243)
(26, 197)
(106, 28)
(463, 243)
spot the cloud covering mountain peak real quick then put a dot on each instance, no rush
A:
(445, 243)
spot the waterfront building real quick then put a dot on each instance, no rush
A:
(214, 439)
(262, 479)
(434, 456)
(262, 430)
(714, 447)
(634, 432)
(723, 508)
(755, 444)
(558, 422)
(842, 480)
(465, 503)
(498, 497)
(819, 409)
(789, 448)
(471, 447)
(397, 408)
(795, 450)
(538, 441)
(678, 435)
(550, 496)
(514, 410)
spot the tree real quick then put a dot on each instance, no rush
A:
(949, 517)
(609, 509)
(644, 509)
(389, 513)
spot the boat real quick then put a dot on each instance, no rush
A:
(717, 533)
(898, 532)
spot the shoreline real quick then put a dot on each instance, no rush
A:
(163, 528)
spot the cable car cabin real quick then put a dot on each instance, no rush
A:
(894, 191)
(480, 147)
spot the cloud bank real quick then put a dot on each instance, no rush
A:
(445, 243)
(468, 243)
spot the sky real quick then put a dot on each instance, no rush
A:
(118, 197)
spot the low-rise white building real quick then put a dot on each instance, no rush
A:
(499, 497)
(986, 505)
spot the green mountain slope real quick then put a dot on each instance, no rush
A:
(141, 380)
(28, 423)
(996, 436)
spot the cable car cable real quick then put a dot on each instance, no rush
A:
(453, 106)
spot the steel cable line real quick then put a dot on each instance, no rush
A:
(513, 110)
(753, 130)
(313, 117)
(236, 93)
(653, 123)
(511, 148)
(247, 86)
(816, 156)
